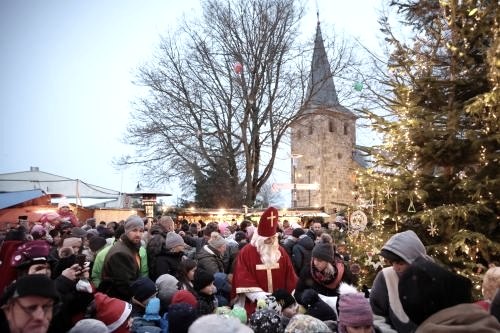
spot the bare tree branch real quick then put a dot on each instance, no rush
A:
(202, 117)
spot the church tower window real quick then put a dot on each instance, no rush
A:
(346, 128)
(310, 129)
(331, 126)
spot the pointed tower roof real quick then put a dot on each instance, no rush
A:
(321, 89)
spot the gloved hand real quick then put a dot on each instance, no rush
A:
(256, 295)
(84, 285)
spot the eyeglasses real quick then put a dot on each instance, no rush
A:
(31, 310)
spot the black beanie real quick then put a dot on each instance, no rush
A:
(143, 288)
(297, 232)
(35, 285)
(316, 307)
(284, 298)
(96, 243)
(239, 236)
(180, 317)
(323, 251)
(202, 279)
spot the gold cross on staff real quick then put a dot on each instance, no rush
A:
(272, 217)
(268, 268)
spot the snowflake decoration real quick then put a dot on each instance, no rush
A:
(388, 192)
(411, 207)
(433, 230)
(370, 262)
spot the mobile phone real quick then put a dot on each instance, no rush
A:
(80, 260)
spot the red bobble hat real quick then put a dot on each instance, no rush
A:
(268, 223)
(111, 311)
(184, 296)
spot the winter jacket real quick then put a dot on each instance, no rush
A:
(384, 313)
(68, 216)
(316, 307)
(288, 243)
(301, 253)
(165, 262)
(4, 323)
(210, 260)
(206, 303)
(408, 246)
(121, 267)
(229, 257)
(460, 318)
(306, 281)
(73, 305)
(99, 261)
(7, 273)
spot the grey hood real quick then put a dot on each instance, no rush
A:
(407, 245)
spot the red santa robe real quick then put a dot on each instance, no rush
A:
(247, 278)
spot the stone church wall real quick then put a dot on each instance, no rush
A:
(326, 144)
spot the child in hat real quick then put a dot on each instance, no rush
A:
(205, 292)
(144, 289)
(355, 313)
(113, 312)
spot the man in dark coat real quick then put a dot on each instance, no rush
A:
(122, 263)
(168, 257)
(301, 253)
(210, 257)
(21, 304)
(289, 242)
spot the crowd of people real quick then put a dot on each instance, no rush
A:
(163, 275)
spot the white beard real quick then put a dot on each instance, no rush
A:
(269, 253)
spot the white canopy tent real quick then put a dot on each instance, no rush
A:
(75, 190)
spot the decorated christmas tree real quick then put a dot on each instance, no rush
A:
(437, 170)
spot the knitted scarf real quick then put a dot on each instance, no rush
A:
(327, 279)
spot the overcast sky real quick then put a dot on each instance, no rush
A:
(66, 71)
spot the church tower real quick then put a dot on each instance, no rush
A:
(323, 142)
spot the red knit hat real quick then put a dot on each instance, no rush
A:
(268, 223)
(184, 296)
(111, 311)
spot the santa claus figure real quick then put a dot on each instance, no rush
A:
(262, 266)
